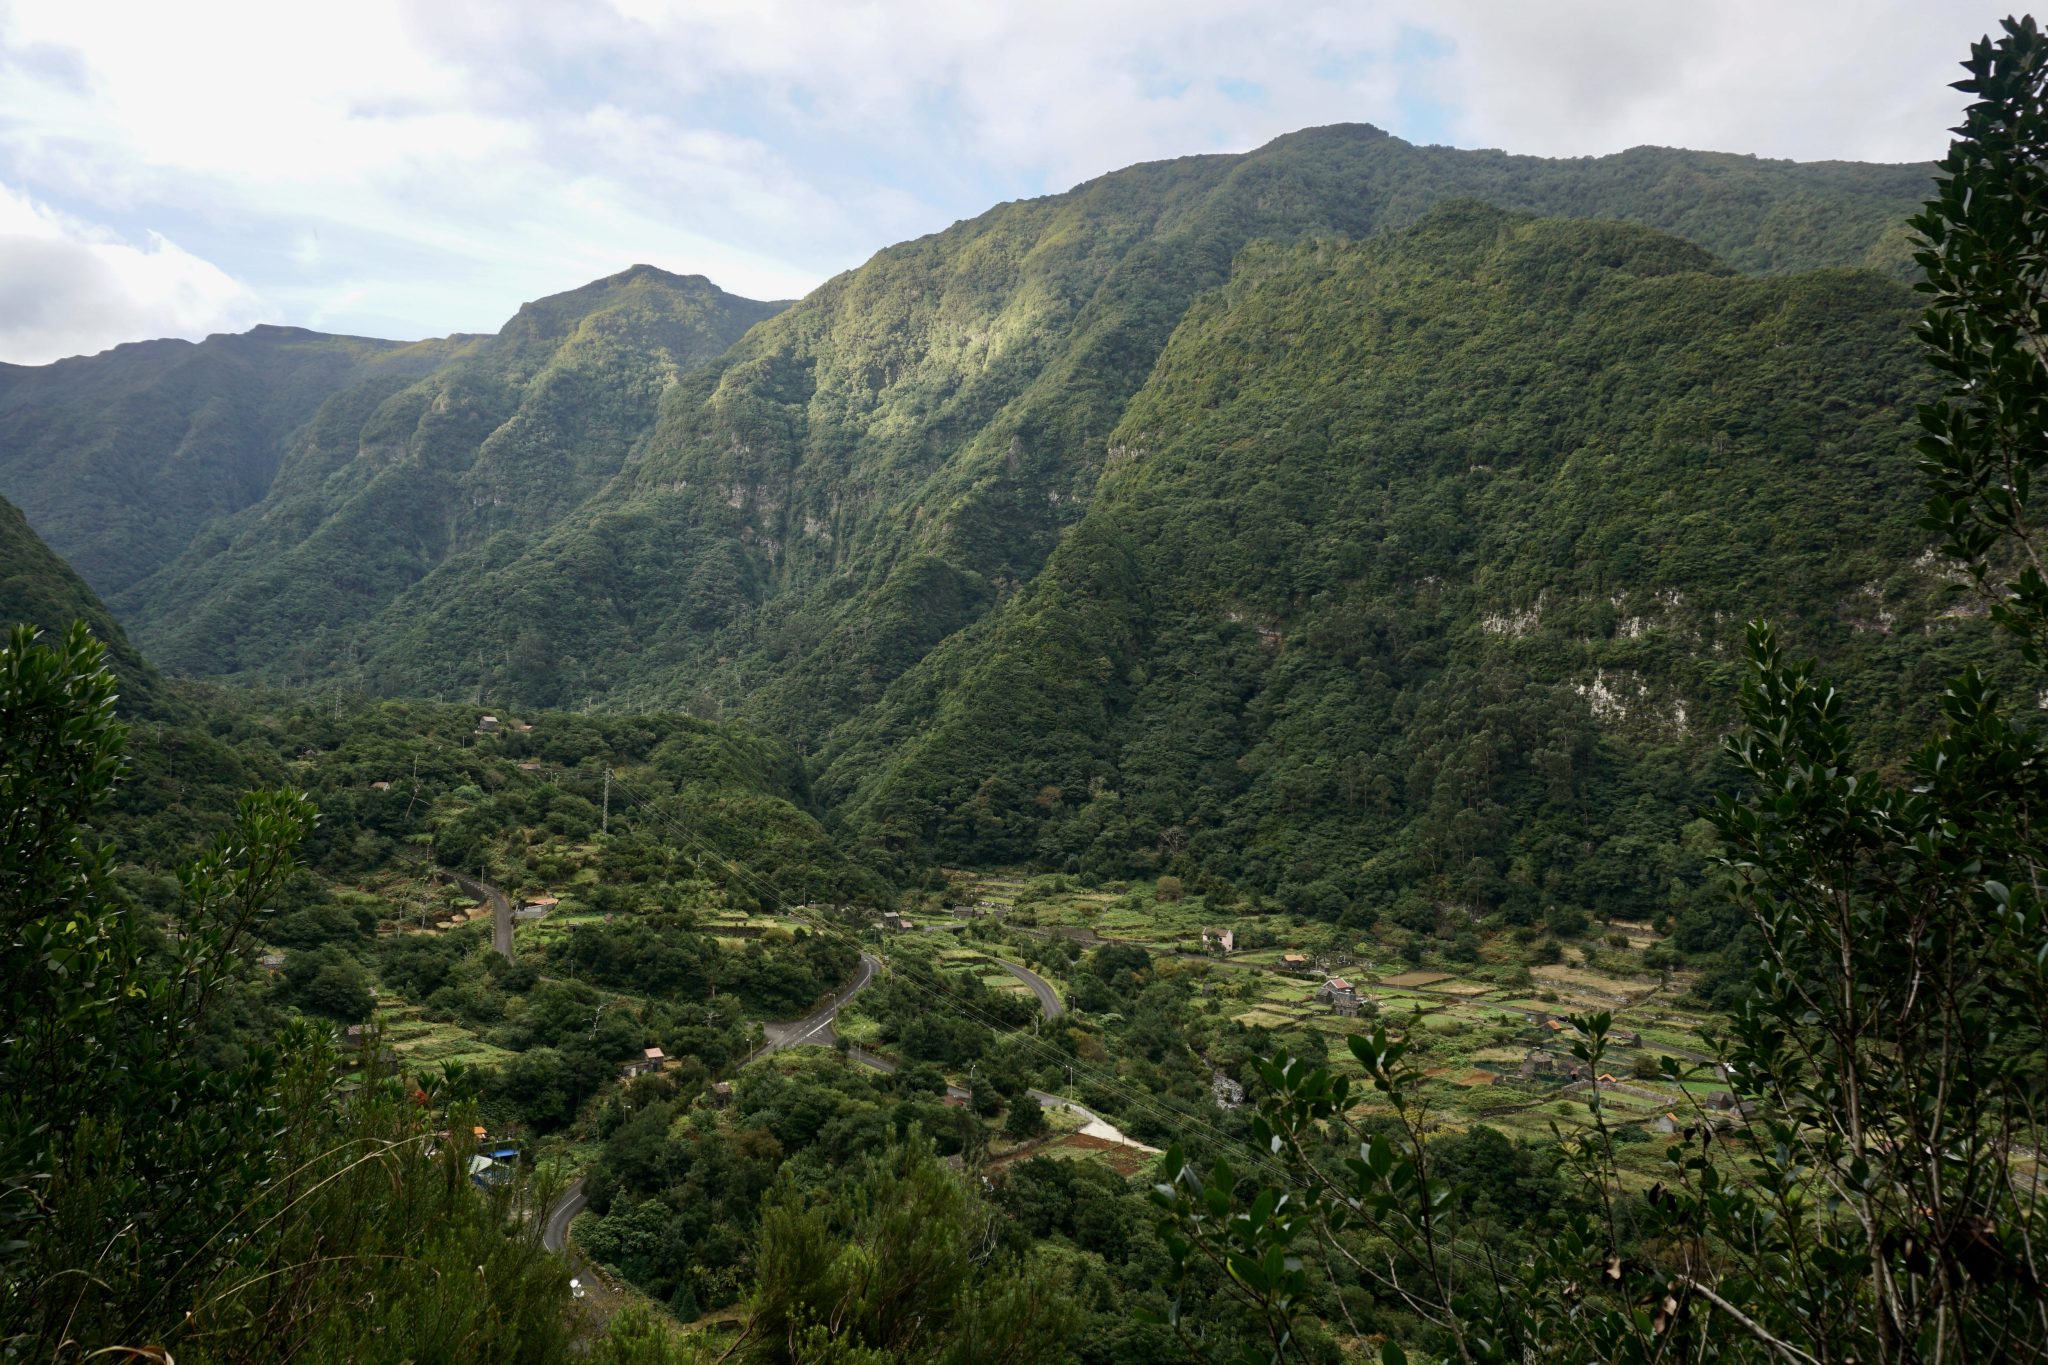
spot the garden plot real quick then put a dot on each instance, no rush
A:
(1125, 1160)
(419, 1041)
(1529, 1004)
(856, 1028)
(1585, 984)
(1267, 1018)
(1163, 925)
(1342, 1025)
(1464, 989)
(1416, 980)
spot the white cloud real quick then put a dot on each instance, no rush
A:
(70, 288)
(1851, 80)
(418, 166)
(1081, 86)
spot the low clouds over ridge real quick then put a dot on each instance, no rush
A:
(406, 169)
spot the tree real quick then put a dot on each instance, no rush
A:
(1892, 1048)
(340, 990)
(100, 1028)
(1168, 890)
(899, 1266)
(329, 982)
(1026, 1119)
(537, 1084)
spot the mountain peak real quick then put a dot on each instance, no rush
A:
(633, 274)
(554, 315)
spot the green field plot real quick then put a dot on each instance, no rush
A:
(1585, 981)
(1416, 980)
(419, 1041)
(858, 1029)
(1533, 1005)
(1475, 1022)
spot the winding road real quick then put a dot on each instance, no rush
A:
(501, 909)
(555, 1236)
(815, 1029)
(1048, 999)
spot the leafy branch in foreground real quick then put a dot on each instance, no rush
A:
(161, 1204)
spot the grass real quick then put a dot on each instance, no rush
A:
(1415, 979)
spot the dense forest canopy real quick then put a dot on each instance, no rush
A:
(36, 585)
(1417, 573)
(597, 505)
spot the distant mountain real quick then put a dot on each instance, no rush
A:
(38, 588)
(877, 468)
(1417, 576)
(119, 459)
(401, 473)
(831, 520)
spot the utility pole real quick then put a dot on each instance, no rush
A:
(607, 800)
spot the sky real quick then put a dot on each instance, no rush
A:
(413, 169)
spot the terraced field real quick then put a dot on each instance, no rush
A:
(421, 1042)
(1489, 1033)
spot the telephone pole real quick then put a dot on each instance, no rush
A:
(607, 800)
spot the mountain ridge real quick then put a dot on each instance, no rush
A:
(389, 478)
(783, 526)
(1418, 571)
(876, 467)
(119, 458)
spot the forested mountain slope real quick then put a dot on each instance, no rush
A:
(396, 475)
(1417, 571)
(873, 470)
(119, 459)
(38, 588)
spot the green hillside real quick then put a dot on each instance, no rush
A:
(874, 469)
(830, 521)
(1417, 573)
(39, 589)
(119, 459)
(400, 474)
